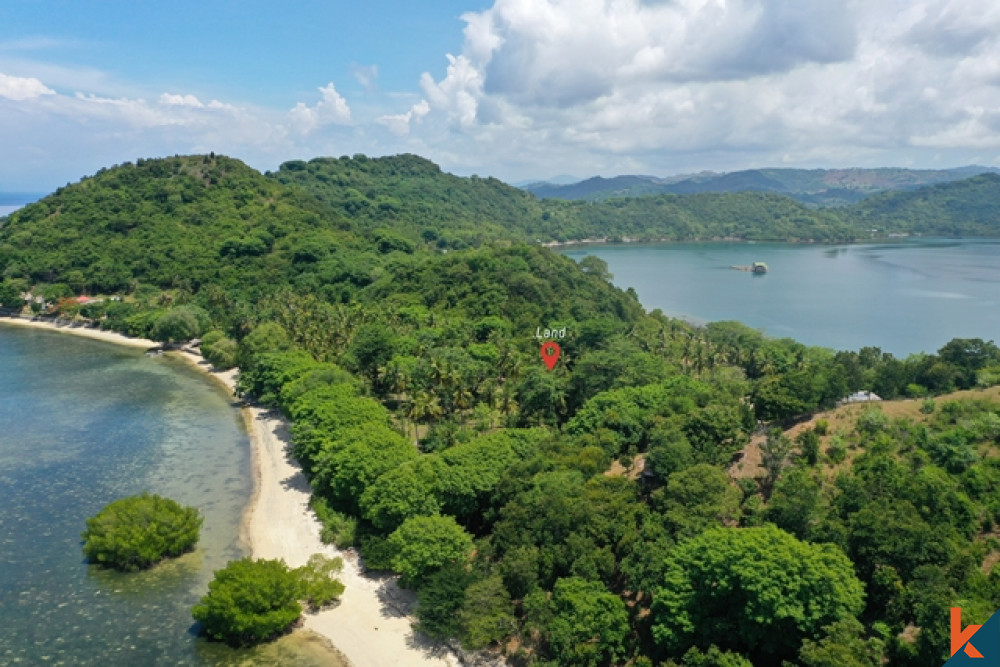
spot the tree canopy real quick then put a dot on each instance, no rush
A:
(139, 531)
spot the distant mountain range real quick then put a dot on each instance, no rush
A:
(815, 187)
(19, 198)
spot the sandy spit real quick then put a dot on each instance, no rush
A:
(371, 624)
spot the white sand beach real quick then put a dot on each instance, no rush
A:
(369, 626)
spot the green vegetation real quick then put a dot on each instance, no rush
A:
(139, 531)
(715, 582)
(250, 601)
(388, 310)
(821, 187)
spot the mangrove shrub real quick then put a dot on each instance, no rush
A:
(136, 532)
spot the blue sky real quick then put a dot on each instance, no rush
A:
(518, 89)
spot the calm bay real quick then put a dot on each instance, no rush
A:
(904, 297)
(83, 423)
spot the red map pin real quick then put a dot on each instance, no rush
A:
(550, 354)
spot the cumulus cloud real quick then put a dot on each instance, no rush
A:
(87, 131)
(332, 109)
(19, 88)
(399, 124)
(689, 84)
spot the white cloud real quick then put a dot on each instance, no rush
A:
(19, 88)
(660, 87)
(181, 100)
(366, 75)
(331, 110)
(399, 124)
(584, 87)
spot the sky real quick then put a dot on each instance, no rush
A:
(517, 89)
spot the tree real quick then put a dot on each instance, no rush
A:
(218, 350)
(402, 493)
(713, 657)
(969, 355)
(795, 504)
(487, 614)
(10, 295)
(175, 326)
(843, 646)
(895, 534)
(423, 544)
(372, 349)
(757, 591)
(136, 532)
(808, 442)
(698, 498)
(250, 601)
(589, 625)
(360, 456)
(439, 599)
(773, 458)
(267, 337)
(596, 266)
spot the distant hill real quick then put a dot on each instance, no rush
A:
(413, 197)
(332, 225)
(970, 207)
(817, 187)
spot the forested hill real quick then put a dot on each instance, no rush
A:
(588, 514)
(819, 187)
(970, 207)
(411, 195)
(176, 222)
(415, 199)
(334, 218)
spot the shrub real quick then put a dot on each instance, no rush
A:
(139, 531)
(174, 326)
(337, 528)
(221, 353)
(423, 544)
(837, 451)
(808, 442)
(316, 579)
(250, 601)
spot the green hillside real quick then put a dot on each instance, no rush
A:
(816, 187)
(963, 208)
(411, 195)
(587, 515)
(220, 221)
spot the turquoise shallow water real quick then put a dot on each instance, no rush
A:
(905, 297)
(81, 424)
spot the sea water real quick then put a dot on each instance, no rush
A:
(905, 297)
(83, 423)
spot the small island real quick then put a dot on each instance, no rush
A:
(137, 532)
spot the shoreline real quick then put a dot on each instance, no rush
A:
(370, 625)
(605, 241)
